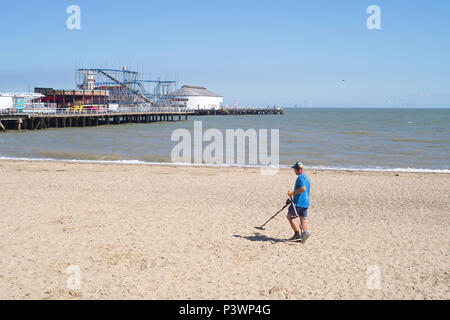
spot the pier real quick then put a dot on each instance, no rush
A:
(239, 111)
(87, 118)
(63, 118)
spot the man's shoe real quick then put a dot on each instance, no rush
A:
(305, 236)
(295, 238)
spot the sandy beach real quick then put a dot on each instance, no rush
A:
(161, 232)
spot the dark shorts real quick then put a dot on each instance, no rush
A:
(302, 212)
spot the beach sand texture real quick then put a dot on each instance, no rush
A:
(161, 232)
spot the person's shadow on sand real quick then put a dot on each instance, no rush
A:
(258, 237)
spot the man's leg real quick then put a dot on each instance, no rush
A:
(292, 218)
(296, 227)
(294, 223)
(304, 222)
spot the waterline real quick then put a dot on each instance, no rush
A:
(183, 164)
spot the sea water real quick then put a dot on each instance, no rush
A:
(353, 139)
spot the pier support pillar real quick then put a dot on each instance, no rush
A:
(19, 124)
(38, 124)
(2, 127)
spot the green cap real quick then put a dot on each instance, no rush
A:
(298, 165)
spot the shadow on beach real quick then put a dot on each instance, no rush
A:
(258, 237)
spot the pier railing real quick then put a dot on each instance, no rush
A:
(131, 110)
(239, 111)
(44, 118)
(12, 112)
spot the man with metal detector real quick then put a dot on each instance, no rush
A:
(299, 208)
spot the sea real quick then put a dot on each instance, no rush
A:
(381, 139)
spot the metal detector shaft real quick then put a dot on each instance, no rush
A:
(296, 213)
(274, 216)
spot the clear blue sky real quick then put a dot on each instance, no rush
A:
(256, 52)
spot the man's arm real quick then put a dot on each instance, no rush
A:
(300, 191)
(296, 192)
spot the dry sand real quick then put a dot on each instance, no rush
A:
(155, 232)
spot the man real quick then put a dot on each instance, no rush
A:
(300, 197)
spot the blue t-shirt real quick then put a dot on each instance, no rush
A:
(302, 200)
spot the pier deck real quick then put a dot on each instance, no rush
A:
(66, 119)
(38, 120)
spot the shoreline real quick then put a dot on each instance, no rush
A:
(225, 166)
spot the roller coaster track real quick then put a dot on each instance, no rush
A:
(125, 84)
